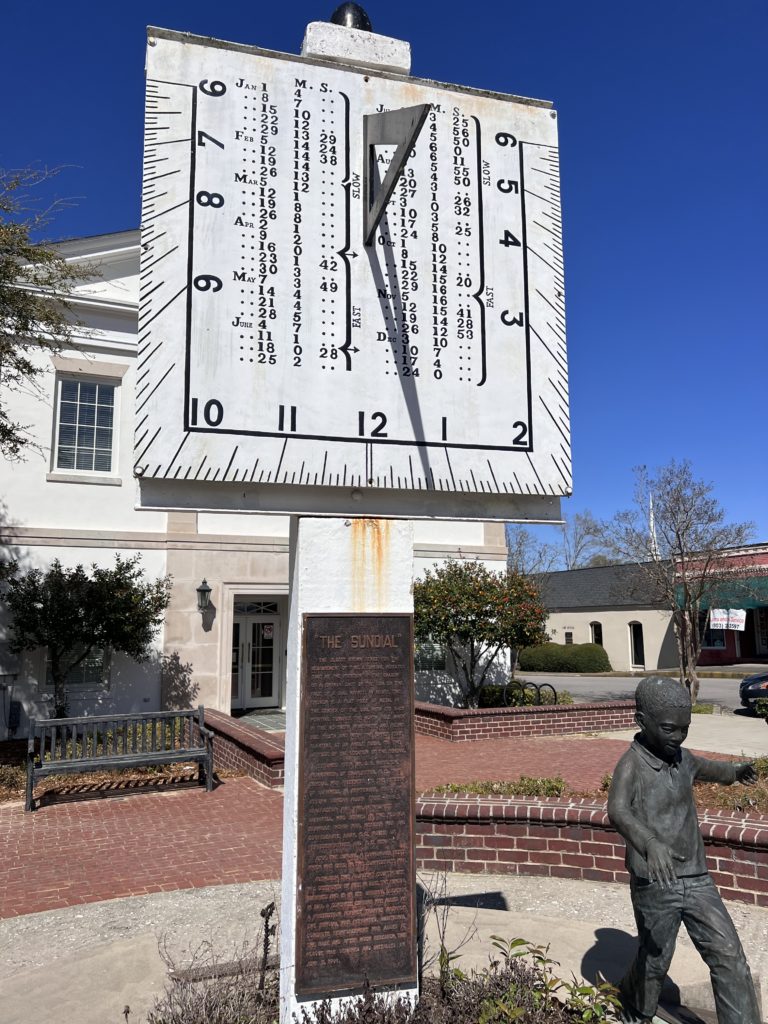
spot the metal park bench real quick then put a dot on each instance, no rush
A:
(94, 743)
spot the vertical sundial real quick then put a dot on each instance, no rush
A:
(299, 329)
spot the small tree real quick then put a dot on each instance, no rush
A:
(677, 535)
(475, 613)
(72, 613)
(35, 283)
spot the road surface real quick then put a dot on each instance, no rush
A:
(590, 688)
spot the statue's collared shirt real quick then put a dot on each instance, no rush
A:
(654, 799)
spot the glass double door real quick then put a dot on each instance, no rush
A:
(255, 661)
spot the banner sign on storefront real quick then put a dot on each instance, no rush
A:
(727, 618)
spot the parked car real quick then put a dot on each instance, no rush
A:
(753, 688)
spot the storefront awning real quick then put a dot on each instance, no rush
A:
(747, 593)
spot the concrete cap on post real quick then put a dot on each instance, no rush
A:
(356, 46)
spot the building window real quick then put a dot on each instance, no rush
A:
(568, 636)
(597, 632)
(85, 426)
(636, 645)
(711, 638)
(429, 657)
(92, 672)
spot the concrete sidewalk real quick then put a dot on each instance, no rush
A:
(84, 965)
(737, 735)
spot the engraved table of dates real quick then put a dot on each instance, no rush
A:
(448, 331)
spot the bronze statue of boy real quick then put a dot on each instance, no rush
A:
(651, 805)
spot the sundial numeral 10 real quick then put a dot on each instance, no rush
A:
(213, 413)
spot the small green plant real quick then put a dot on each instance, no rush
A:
(761, 708)
(584, 1002)
(605, 782)
(590, 1002)
(448, 974)
(523, 786)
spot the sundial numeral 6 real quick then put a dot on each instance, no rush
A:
(214, 89)
(505, 139)
(207, 282)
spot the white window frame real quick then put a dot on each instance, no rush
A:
(87, 372)
(96, 687)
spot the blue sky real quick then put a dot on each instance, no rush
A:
(664, 152)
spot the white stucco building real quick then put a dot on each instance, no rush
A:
(77, 504)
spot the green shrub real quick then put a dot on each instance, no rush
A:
(553, 657)
(518, 696)
(524, 786)
(761, 709)
(13, 778)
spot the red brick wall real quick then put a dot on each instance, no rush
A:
(460, 725)
(244, 749)
(574, 839)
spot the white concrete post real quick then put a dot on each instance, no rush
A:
(336, 565)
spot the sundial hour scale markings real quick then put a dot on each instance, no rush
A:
(277, 348)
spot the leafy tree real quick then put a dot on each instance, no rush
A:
(475, 613)
(676, 534)
(35, 281)
(72, 613)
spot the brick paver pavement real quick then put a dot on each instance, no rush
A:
(96, 849)
(81, 852)
(581, 761)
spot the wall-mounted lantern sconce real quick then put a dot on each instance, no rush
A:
(203, 596)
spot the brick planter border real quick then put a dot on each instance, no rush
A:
(244, 749)
(459, 725)
(574, 839)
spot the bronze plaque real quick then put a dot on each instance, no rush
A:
(355, 908)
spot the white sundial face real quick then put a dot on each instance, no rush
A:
(275, 348)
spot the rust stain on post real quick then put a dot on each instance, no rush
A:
(370, 563)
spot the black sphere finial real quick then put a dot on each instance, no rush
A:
(351, 16)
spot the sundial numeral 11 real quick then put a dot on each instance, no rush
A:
(281, 418)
